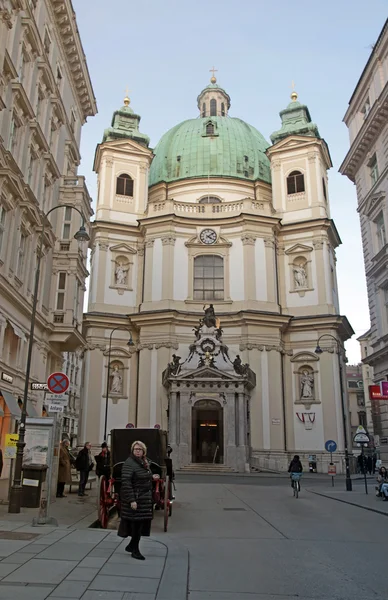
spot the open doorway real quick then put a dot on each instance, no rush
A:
(207, 432)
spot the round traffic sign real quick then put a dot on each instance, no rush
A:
(58, 383)
(331, 446)
(157, 426)
(129, 426)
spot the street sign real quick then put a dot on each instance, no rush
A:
(57, 398)
(157, 426)
(331, 446)
(58, 383)
(10, 449)
(56, 408)
(39, 387)
(361, 438)
(129, 426)
(332, 470)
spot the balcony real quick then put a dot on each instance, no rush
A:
(209, 211)
(66, 331)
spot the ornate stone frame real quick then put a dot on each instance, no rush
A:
(303, 361)
(297, 254)
(125, 252)
(197, 248)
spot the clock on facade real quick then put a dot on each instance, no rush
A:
(208, 236)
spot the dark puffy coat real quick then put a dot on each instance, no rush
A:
(82, 462)
(103, 464)
(136, 486)
(295, 466)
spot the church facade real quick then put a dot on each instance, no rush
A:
(215, 254)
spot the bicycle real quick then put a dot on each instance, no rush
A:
(295, 477)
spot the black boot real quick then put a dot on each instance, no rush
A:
(130, 547)
(136, 554)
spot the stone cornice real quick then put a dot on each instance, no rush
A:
(64, 18)
(372, 127)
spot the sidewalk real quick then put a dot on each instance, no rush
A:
(47, 562)
(357, 497)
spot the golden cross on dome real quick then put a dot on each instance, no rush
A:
(294, 95)
(213, 70)
(126, 99)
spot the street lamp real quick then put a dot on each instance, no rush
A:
(16, 489)
(129, 343)
(318, 350)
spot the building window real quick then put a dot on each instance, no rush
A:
(213, 108)
(59, 78)
(67, 224)
(324, 189)
(61, 291)
(366, 109)
(13, 135)
(208, 277)
(76, 299)
(204, 109)
(362, 419)
(22, 67)
(210, 200)
(295, 182)
(380, 232)
(210, 129)
(373, 169)
(39, 101)
(222, 109)
(124, 185)
(3, 218)
(21, 256)
(47, 42)
(72, 121)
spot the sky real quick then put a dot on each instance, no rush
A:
(162, 50)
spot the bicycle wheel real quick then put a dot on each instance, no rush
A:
(166, 502)
(296, 489)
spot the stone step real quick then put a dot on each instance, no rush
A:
(206, 468)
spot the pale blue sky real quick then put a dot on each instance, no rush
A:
(163, 50)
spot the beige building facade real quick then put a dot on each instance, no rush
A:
(366, 164)
(216, 250)
(45, 98)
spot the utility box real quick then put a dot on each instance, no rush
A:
(33, 478)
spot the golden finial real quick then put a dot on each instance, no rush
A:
(213, 78)
(294, 95)
(127, 99)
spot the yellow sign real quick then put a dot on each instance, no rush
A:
(11, 440)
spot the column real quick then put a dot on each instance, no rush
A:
(271, 269)
(168, 267)
(172, 419)
(249, 266)
(149, 255)
(320, 270)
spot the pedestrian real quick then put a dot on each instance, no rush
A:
(382, 480)
(136, 499)
(295, 467)
(369, 464)
(84, 464)
(64, 470)
(374, 458)
(103, 462)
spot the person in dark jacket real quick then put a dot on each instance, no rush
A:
(136, 498)
(295, 467)
(84, 464)
(103, 462)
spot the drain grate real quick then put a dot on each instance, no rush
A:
(17, 535)
(241, 509)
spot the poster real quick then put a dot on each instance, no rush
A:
(36, 448)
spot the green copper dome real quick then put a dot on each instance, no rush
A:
(218, 146)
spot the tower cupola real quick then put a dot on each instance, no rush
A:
(296, 120)
(125, 125)
(213, 101)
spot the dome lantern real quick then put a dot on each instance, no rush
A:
(213, 101)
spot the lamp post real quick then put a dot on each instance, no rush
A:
(16, 489)
(318, 350)
(129, 343)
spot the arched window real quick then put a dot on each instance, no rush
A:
(295, 182)
(208, 277)
(213, 107)
(210, 128)
(222, 109)
(124, 185)
(210, 200)
(204, 109)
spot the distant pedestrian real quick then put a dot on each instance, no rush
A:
(374, 458)
(136, 499)
(369, 464)
(295, 467)
(64, 470)
(84, 464)
(382, 480)
(103, 462)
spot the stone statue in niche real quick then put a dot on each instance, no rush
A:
(121, 273)
(209, 318)
(306, 385)
(116, 385)
(300, 276)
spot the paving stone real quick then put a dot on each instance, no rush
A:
(83, 536)
(124, 584)
(95, 595)
(17, 558)
(70, 589)
(82, 574)
(136, 596)
(33, 548)
(6, 569)
(60, 551)
(42, 571)
(100, 553)
(24, 592)
(8, 547)
(107, 545)
(95, 563)
(134, 568)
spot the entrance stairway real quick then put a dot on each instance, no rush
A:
(205, 468)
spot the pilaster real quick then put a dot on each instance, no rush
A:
(168, 243)
(248, 242)
(149, 257)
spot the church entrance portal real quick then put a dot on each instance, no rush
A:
(207, 432)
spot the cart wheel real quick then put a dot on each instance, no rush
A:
(103, 504)
(166, 501)
(170, 498)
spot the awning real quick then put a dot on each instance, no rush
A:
(17, 331)
(31, 410)
(12, 404)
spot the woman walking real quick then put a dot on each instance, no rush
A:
(64, 470)
(136, 499)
